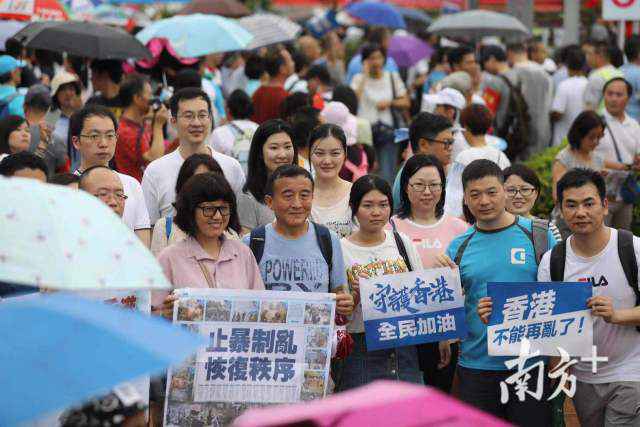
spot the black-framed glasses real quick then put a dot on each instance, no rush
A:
(448, 143)
(419, 187)
(524, 191)
(211, 211)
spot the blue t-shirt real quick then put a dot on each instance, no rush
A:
(632, 75)
(491, 256)
(298, 265)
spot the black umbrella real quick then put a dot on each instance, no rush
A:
(84, 39)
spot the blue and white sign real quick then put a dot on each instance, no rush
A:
(412, 308)
(550, 315)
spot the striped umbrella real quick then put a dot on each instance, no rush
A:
(269, 29)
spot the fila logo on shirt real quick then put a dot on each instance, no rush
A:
(601, 282)
(518, 256)
(427, 244)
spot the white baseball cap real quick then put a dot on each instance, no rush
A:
(447, 96)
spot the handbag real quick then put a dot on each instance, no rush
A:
(630, 189)
(206, 274)
(397, 115)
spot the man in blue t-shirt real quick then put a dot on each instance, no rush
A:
(288, 251)
(497, 249)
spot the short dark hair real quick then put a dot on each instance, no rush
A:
(204, 187)
(240, 105)
(327, 130)
(292, 103)
(8, 125)
(112, 67)
(369, 49)
(457, 54)
(321, 73)
(40, 101)
(76, 123)
(616, 57)
(582, 125)
(479, 169)
(632, 47)
(5, 78)
(300, 61)
(303, 121)
(64, 179)
(476, 118)
(192, 163)
(22, 160)
(272, 63)
(131, 86)
(254, 67)
(525, 173)
(579, 177)
(413, 165)
(493, 51)
(376, 34)
(346, 95)
(187, 94)
(88, 171)
(286, 171)
(257, 173)
(619, 79)
(516, 47)
(187, 77)
(575, 59)
(365, 184)
(426, 125)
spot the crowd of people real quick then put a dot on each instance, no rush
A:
(286, 169)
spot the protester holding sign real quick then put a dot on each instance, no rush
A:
(501, 247)
(421, 217)
(607, 258)
(206, 207)
(369, 252)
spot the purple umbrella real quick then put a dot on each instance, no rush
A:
(408, 50)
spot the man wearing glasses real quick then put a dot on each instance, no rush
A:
(93, 133)
(191, 116)
(104, 184)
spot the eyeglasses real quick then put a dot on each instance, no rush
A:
(446, 142)
(419, 187)
(524, 191)
(211, 211)
(201, 116)
(104, 194)
(97, 137)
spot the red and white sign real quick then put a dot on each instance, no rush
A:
(621, 10)
(32, 10)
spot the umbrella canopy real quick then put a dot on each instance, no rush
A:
(61, 349)
(33, 10)
(198, 35)
(375, 13)
(398, 404)
(407, 50)
(269, 29)
(475, 24)
(73, 242)
(85, 39)
(228, 8)
(415, 19)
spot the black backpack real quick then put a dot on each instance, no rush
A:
(626, 253)
(517, 124)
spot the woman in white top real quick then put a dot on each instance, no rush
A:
(372, 251)
(327, 148)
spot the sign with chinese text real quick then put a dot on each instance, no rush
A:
(412, 308)
(265, 347)
(550, 315)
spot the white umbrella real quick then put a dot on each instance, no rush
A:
(475, 24)
(269, 29)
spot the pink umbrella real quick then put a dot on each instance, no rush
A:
(407, 50)
(380, 403)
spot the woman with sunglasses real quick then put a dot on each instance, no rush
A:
(205, 208)
(421, 218)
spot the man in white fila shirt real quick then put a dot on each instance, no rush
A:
(607, 258)
(191, 116)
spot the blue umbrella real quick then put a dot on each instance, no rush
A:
(59, 350)
(198, 35)
(375, 13)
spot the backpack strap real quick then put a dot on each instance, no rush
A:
(168, 225)
(538, 235)
(237, 128)
(256, 242)
(463, 247)
(323, 237)
(401, 248)
(557, 261)
(627, 256)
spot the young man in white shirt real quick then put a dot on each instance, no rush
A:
(191, 116)
(568, 101)
(93, 132)
(593, 253)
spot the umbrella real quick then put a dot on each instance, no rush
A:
(8, 29)
(380, 403)
(407, 50)
(228, 8)
(198, 35)
(36, 10)
(56, 237)
(476, 24)
(61, 349)
(85, 39)
(415, 19)
(269, 29)
(375, 13)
